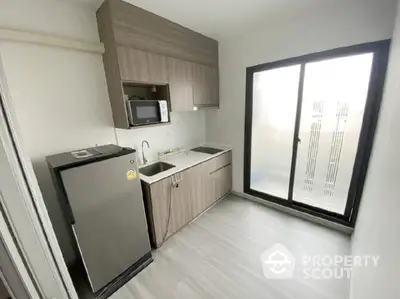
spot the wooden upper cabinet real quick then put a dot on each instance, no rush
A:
(201, 90)
(205, 86)
(133, 64)
(141, 66)
(140, 29)
(158, 68)
(180, 84)
(214, 85)
(138, 45)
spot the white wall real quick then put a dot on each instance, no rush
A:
(377, 229)
(60, 96)
(351, 22)
(186, 129)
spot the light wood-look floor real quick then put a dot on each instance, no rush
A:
(218, 256)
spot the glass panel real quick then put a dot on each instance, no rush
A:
(275, 94)
(334, 96)
(146, 111)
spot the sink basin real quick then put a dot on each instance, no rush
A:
(155, 168)
(206, 150)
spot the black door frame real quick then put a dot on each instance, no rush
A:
(369, 123)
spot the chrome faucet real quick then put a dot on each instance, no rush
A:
(143, 157)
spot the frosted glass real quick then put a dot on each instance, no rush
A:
(334, 97)
(275, 94)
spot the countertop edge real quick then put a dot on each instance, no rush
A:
(185, 168)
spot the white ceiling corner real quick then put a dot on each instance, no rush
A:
(221, 19)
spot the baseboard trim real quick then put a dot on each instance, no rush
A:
(305, 216)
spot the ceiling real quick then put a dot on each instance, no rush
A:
(222, 18)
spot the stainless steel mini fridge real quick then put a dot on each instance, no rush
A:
(102, 199)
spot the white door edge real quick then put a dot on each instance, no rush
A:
(10, 249)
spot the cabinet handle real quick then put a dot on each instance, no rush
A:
(173, 181)
(179, 178)
(219, 168)
(176, 178)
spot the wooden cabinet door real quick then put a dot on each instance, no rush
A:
(180, 84)
(201, 188)
(214, 86)
(181, 213)
(215, 192)
(226, 180)
(133, 64)
(158, 68)
(221, 182)
(205, 85)
(160, 193)
(201, 86)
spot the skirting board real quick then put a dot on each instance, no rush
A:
(305, 216)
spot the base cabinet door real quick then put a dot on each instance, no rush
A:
(181, 212)
(215, 186)
(200, 188)
(160, 194)
(221, 182)
(226, 180)
(170, 205)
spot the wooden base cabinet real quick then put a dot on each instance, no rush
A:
(168, 206)
(176, 200)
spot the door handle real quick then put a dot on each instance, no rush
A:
(176, 180)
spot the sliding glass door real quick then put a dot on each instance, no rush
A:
(333, 104)
(274, 113)
(309, 128)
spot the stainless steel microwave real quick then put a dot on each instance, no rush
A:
(145, 112)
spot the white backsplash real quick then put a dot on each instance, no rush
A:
(187, 129)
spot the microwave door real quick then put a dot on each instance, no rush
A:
(144, 112)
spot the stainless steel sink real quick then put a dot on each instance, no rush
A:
(206, 150)
(155, 168)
